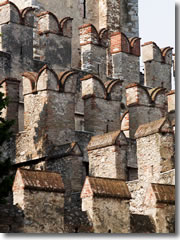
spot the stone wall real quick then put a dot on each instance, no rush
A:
(104, 215)
(71, 170)
(44, 211)
(158, 64)
(108, 162)
(152, 163)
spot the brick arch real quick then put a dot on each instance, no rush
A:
(63, 24)
(135, 46)
(58, 29)
(42, 70)
(165, 52)
(124, 121)
(100, 83)
(16, 9)
(90, 29)
(110, 88)
(24, 15)
(160, 93)
(119, 43)
(29, 82)
(64, 77)
(103, 37)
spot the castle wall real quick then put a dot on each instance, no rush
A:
(141, 103)
(104, 214)
(157, 65)
(71, 170)
(108, 162)
(152, 163)
(101, 115)
(44, 212)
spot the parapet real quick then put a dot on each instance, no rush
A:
(93, 86)
(105, 188)
(150, 52)
(10, 13)
(171, 100)
(162, 125)
(108, 139)
(48, 79)
(162, 193)
(120, 43)
(38, 180)
(125, 122)
(137, 94)
(90, 35)
(49, 23)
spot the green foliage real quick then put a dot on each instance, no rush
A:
(6, 178)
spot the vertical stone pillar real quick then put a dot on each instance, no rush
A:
(10, 88)
(157, 135)
(157, 65)
(125, 57)
(40, 195)
(160, 205)
(107, 203)
(107, 155)
(48, 112)
(17, 37)
(93, 51)
(101, 114)
(55, 41)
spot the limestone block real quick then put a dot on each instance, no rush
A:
(9, 13)
(171, 101)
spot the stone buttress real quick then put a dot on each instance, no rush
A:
(157, 65)
(102, 104)
(16, 29)
(106, 202)
(147, 102)
(40, 195)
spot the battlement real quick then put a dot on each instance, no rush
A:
(138, 94)
(11, 13)
(93, 42)
(92, 86)
(151, 51)
(125, 54)
(48, 79)
(120, 43)
(90, 35)
(49, 23)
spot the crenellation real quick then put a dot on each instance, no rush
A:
(158, 64)
(92, 42)
(125, 58)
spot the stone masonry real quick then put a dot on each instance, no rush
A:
(93, 144)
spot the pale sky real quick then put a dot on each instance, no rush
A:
(157, 22)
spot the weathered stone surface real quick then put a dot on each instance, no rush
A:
(101, 198)
(158, 63)
(171, 101)
(159, 203)
(38, 193)
(142, 224)
(152, 163)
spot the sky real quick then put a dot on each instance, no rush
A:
(157, 22)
